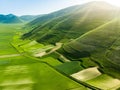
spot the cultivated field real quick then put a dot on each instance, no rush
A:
(19, 72)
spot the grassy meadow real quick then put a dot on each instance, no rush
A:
(24, 73)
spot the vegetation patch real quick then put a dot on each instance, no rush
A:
(70, 67)
(87, 74)
(105, 82)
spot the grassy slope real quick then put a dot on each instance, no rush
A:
(76, 22)
(98, 44)
(22, 73)
(47, 17)
(28, 18)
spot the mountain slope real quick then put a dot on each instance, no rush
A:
(71, 22)
(89, 31)
(49, 17)
(100, 45)
(10, 18)
(29, 17)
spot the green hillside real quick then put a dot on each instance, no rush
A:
(90, 34)
(101, 45)
(49, 17)
(76, 48)
(71, 22)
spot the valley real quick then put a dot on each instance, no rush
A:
(75, 48)
(19, 72)
(24, 62)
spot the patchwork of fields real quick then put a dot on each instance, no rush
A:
(23, 73)
(21, 70)
(84, 72)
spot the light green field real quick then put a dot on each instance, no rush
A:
(24, 73)
(105, 82)
(87, 74)
(33, 76)
(6, 34)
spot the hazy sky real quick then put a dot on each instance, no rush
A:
(34, 7)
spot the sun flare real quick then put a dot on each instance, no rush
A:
(113, 2)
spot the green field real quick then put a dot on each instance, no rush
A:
(6, 34)
(24, 73)
(70, 67)
(104, 82)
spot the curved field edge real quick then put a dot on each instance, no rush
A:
(21, 50)
(14, 70)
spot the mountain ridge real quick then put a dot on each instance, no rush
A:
(10, 18)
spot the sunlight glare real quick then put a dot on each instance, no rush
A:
(113, 2)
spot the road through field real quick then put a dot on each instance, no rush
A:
(10, 55)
